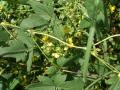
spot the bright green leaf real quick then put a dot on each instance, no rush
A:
(16, 50)
(59, 78)
(45, 80)
(51, 70)
(43, 10)
(58, 30)
(29, 61)
(1, 85)
(40, 86)
(76, 84)
(13, 84)
(85, 23)
(90, 6)
(4, 36)
(101, 17)
(33, 21)
(116, 84)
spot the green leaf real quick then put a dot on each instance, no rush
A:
(101, 68)
(29, 61)
(1, 85)
(61, 61)
(90, 6)
(19, 56)
(45, 80)
(23, 1)
(33, 21)
(40, 86)
(45, 11)
(59, 78)
(101, 17)
(85, 23)
(97, 2)
(76, 84)
(7, 75)
(16, 50)
(111, 80)
(51, 70)
(58, 30)
(116, 84)
(13, 84)
(4, 36)
(25, 38)
(48, 2)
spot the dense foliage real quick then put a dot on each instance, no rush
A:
(59, 45)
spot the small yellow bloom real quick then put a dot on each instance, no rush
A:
(50, 44)
(119, 75)
(65, 48)
(70, 42)
(1, 8)
(45, 39)
(55, 55)
(112, 8)
(34, 58)
(78, 34)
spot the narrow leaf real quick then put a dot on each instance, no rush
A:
(29, 62)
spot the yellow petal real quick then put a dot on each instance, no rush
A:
(112, 8)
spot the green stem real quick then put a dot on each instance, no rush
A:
(88, 51)
(116, 35)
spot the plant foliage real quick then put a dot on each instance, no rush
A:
(59, 45)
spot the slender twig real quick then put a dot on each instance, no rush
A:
(40, 49)
(116, 35)
(80, 74)
(88, 87)
(105, 63)
(34, 32)
(7, 24)
(8, 32)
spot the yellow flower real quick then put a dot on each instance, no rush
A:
(65, 48)
(45, 39)
(50, 44)
(119, 75)
(78, 34)
(70, 42)
(1, 8)
(112, 8)
(55, 55)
